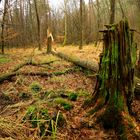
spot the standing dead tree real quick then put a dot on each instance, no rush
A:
(114, 89)
(112, 11)
(49, 41)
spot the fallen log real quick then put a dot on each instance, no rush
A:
(91, 66)
(8, 76)
(82, 63)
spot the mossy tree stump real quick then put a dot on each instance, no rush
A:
(139, 61)
(114, 89)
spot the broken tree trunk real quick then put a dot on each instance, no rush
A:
(114, 89)
(49, 41)
(49, 45)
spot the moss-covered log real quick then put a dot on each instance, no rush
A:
(114, 90)
(9, 75)
(84, 64)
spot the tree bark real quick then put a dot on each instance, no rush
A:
(49, 45)
(84, 64)
(112, 11)
(81, 25)
(49, 41)
(65, 12)
(114, 89)
(3, 26)
(38, 25)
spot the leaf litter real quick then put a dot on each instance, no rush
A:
(13, 105)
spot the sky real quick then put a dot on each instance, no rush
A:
(53, 3)
(57, 3)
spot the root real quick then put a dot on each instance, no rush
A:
(30, 62)
(127, 128)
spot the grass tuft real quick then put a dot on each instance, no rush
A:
(35, 87)
(64, 103)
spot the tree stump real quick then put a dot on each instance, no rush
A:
(49, 41)
(49, 45)
(114, 90)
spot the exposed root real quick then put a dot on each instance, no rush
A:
(127, 128)
(30, 62)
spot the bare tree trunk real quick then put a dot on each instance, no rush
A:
(65, 11)
(112, 11)
(38, 25)
(22, 22)
(81, 25)
(3, 26)
(98, 21)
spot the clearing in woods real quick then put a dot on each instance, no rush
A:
(43, 99)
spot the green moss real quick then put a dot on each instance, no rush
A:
(64, 103)
(59, 73)
(35, 87)
(4, 60)
(87, 72)
(67, 106)
(24, 95)
(134, 54)
(122, 132)
(73, 96)
(83, 92)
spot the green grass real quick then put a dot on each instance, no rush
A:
(37, 117)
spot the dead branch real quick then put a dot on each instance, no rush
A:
(30, 62)
(8, 76)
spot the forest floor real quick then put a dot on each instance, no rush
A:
(34, 106)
